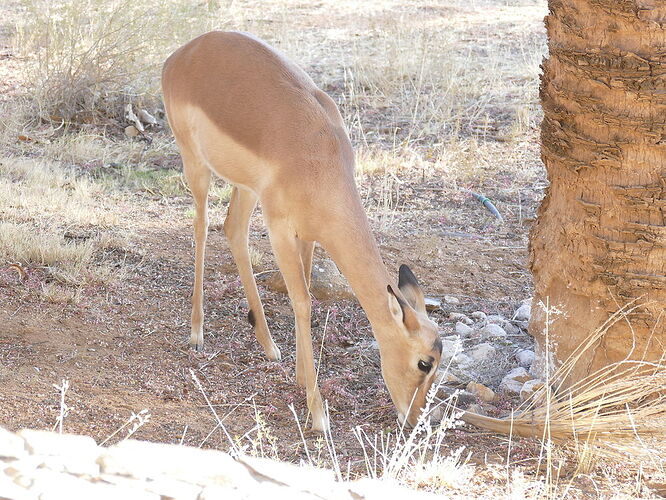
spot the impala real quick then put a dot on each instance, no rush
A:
(241, 110)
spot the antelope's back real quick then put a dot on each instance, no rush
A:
(247, 89)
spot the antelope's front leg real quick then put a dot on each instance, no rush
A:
(286, 249)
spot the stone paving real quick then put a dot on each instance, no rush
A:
(50, 466)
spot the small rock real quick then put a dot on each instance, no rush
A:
(463, 361)
(529, 388)
(493, 330)
(525, 358)
(510, 387)
(449, 378)
(450, 348)
(327, 282)
(432, 304)
(476, 408)
(522, 324)
(523, 312)
(520, 374)
(460, 317)
(496, 319)
(512, 383)
(484, 393)
(463, 330)
(510, 328)
(449, 299)
(482, 352)
(465, 399)
(131, 131)
(478, 315)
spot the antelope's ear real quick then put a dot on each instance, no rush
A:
(402, 311)
(409, 286)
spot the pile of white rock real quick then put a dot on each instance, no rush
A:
(491, 348)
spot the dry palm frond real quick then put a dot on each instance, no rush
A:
(618, 411)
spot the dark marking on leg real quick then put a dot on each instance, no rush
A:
(250, 318)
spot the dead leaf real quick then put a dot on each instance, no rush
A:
(23, 275)
(129, 114)
(131, 131)
(146, 117)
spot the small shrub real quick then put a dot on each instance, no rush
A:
(92, 57)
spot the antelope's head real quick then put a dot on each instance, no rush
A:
(411, 349)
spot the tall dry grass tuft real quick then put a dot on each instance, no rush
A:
(48, 217)
(417, 457)
(617, 412)
(28, 245)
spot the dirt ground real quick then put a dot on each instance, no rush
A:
(123, 349)
(123, 346)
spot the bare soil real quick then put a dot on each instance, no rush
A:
(124, 348)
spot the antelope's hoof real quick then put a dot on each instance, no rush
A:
(273, 353)
(320, 424)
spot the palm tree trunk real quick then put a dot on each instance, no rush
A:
(600, 238)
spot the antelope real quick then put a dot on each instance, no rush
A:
(241, 110)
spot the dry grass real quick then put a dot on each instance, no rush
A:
(417, 457)
(415, 92)
(47, 213)
(257, 257)
(91, 58)
(32, 189)
(616, 413)
(65, 260)
(412, 78)
(28, 245)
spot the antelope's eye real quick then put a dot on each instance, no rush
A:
(424, 366)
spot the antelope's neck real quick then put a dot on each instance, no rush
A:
(355, 251)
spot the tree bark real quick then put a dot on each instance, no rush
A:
(600, 238)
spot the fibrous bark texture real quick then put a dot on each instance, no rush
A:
(600, 239)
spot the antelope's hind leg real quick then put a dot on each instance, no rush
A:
(237, 227)
(198, 179)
